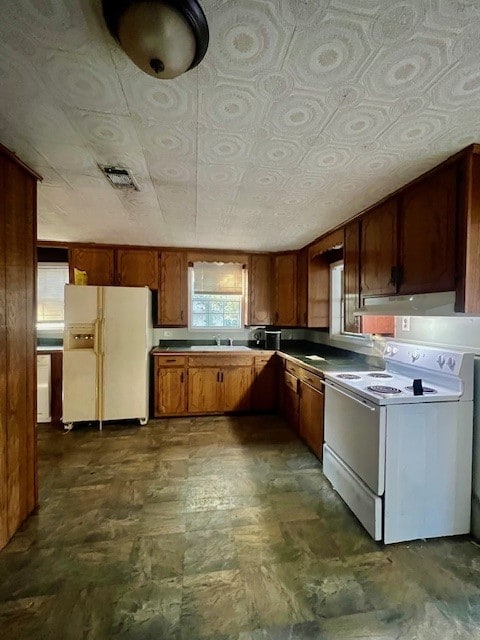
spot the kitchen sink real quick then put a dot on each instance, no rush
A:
(223, 347)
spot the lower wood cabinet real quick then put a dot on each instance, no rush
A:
(170, 385)
(264, 388)
(204, 390)
(202, 384)
(311, 417)
(289, 404)
(213, 390)
(237, 383)
(302, 402)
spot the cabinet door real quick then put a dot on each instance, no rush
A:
(351, 275)
(265, 385)
(379, 249)
(237, 382)
(172, 303)
(302, 291)
(289, 400)
(311, 418)
(286, 290)
(260, 299)
(318, 292)
(137, 268)
(170, 391)
(427, 234)
(205, 390)
(98, 263)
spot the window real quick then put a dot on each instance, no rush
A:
(337, 303)
(217, 295)
(51, 280)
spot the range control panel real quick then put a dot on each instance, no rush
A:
(431, 358)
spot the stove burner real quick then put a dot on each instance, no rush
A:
(348, 376)
(380, 388)
(380, 375)
(425, 389)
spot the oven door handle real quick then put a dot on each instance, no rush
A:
(364, 403)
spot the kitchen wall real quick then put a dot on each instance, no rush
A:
(369, 345)
(241, 335)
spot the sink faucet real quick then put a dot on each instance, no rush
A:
(230, 342)
(217, 340)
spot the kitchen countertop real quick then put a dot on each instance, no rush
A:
(333, 359)
(49, 349)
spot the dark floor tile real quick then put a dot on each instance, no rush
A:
(149, 611)
(216, 528)
(214, 605)
(210, 550)
(159, 556)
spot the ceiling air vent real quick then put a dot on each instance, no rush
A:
(120, 178)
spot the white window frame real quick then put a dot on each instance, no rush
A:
(337, 309)
(224, 330)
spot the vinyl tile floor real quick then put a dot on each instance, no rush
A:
(216, 528)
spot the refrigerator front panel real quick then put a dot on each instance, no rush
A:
(80, 304)
(79, 386)
(124, 345)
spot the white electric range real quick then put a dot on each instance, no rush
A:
(398, 442)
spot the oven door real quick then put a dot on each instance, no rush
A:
(355, 432)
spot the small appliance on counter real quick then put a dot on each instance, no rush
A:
(272, 340)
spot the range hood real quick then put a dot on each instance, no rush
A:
(426, 304)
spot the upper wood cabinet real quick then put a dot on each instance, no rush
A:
(379, 249)
(320, 256)
(427, 234)
(285, 267)
(351, 275)
(468, 236)
(99, 263)
(302, 288)
(408, 242)
(137, 268)
(106, 266)
(260, 298)
(173, 292)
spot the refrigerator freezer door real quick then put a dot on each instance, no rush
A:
(124, 345)
(80, 304)
(79, 386)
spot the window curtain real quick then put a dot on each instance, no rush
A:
(51, 280)
(218, 278)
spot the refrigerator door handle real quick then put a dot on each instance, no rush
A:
(96, 337)
(102, 338)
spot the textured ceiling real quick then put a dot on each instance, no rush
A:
(302, 113)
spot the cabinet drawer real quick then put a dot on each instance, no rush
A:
(223, 360)
(290, 381)
(313, 380)
(170, 361)
(293, 369)
(266, 359)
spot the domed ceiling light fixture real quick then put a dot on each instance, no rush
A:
(164, 39)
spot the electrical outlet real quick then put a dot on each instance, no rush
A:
(405, 323)
(167, 334)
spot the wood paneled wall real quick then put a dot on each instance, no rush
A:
(18, 473)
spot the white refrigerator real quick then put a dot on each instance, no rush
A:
(106, 344)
